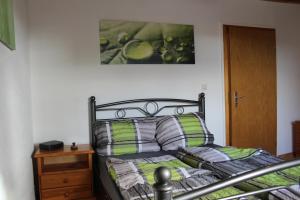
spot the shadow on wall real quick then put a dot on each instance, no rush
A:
(2, 188)
(15, 131)
(35, 174)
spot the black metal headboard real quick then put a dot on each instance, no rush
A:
(120, 111)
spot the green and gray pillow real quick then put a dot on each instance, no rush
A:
(126, 136)
(186, 130)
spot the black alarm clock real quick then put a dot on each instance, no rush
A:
(51, 145)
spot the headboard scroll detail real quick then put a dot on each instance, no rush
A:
(150, 107)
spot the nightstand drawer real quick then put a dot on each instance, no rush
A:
(69, 193)
(64, 180)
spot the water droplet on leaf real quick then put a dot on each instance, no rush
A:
(182, 59)
(179, 49)
(167, 57)
(169, 39)
(123, 38)
(183, 44)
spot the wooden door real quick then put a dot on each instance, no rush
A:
(250, 79)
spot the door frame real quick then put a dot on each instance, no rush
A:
(227, 78)
(227, 84)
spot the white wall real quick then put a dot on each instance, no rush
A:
(64, 56)
(16, 141)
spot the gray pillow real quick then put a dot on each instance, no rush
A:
(117, 137)
(186, 130)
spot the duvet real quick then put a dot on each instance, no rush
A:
(229, 161)
(134, 177)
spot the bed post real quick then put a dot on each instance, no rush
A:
(92, 118)
(201, 100)
(162, 187)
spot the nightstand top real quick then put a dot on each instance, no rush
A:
(82, 149)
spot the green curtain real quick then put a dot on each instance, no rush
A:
(7, 32)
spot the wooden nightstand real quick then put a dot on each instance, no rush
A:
(65, 174)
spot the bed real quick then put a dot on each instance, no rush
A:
(135, 138)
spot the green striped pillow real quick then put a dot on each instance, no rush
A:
(186, 130)
(126, 136)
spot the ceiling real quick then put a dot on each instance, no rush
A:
(285, 1)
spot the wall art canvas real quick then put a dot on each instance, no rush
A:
(129, 42)
(7, 32)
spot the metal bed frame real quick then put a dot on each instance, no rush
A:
(162, 187)
(120, 109)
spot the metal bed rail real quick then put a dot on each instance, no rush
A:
(163, 187)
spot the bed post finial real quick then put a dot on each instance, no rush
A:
(201, 102)
(93, 98)
(93, 109)
(162, 187)
(92, 118)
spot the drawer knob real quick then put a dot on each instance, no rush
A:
(66, 194)
(66, 180)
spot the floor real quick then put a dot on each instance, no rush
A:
(288, 156)
(102, 195)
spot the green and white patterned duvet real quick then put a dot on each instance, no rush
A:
(229, 161)
(141, 171)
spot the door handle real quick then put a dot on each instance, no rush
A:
(237, 98)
